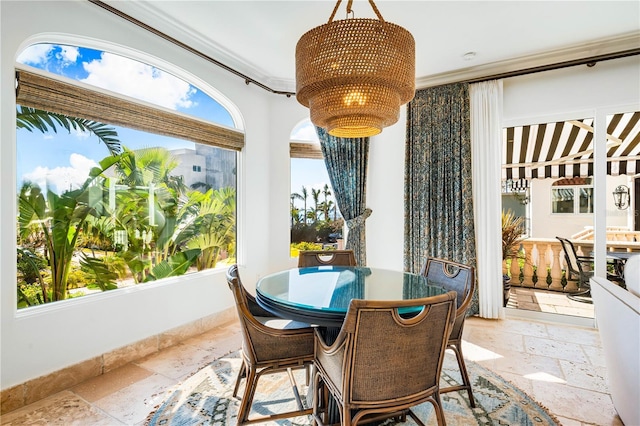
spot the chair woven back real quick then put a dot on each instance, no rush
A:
(453, 276)
(384, 363)
(308, 258)
(260, 344)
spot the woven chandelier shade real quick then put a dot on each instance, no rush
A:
(354, 74)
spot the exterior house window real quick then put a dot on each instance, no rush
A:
(572, 196)
(106, 192)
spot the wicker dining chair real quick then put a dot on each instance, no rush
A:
(382, 364)
(308, 258)
(461, 279)
(266, 349)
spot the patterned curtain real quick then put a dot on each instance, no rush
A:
(438, 179)
(346, 160)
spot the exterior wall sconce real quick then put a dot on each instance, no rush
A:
(621, 197)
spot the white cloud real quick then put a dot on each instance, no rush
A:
(68, 54)
(81, 134)
(138, 80)
(305, 132)
(35, 54)
(63, 178)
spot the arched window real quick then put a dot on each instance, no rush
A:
(126, 174)
(315, 220)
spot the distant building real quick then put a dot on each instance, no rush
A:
(206, 167)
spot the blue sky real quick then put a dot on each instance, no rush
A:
(62, 160)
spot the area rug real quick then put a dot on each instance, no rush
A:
(206, 399)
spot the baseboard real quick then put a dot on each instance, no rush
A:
(41, 387)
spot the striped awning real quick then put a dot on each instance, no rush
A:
(565, 148)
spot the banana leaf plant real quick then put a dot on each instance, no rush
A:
(61, 219)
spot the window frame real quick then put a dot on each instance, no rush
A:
(576, 199)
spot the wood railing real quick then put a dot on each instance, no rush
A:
(544, 263)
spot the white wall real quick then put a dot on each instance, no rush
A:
(385, 197)
(571, 92)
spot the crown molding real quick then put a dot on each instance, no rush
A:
(606, 48)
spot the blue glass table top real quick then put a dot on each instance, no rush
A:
(321, 295)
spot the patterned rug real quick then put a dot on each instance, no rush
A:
(205, 399)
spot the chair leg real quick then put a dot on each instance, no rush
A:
(294, 388)
(583, 296)
(457, 348)
(247, 397)
(437, 406)
(319, 403)
(241, 375)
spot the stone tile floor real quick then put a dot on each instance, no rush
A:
(559, 365)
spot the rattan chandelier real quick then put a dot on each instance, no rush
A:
(355, 73)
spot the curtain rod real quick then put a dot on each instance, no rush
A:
(589, 61)
(178, 43)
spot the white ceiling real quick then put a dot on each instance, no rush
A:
(258, 38)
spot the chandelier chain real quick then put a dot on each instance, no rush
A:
(350, 10)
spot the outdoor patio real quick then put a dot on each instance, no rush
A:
(531, 299)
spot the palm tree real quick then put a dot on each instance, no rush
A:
(315, 196)
(35, 119)
(303, 195)
(326, 192)
(60, 218)
(326, 207)
(295, 216)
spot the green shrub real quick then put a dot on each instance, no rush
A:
(304, 245)
(77, 278)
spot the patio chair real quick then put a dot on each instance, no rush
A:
(308, 258)
(461, 279)
(579, 267)
(382, 364)
(266, 349)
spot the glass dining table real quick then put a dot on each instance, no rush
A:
(321, 295)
